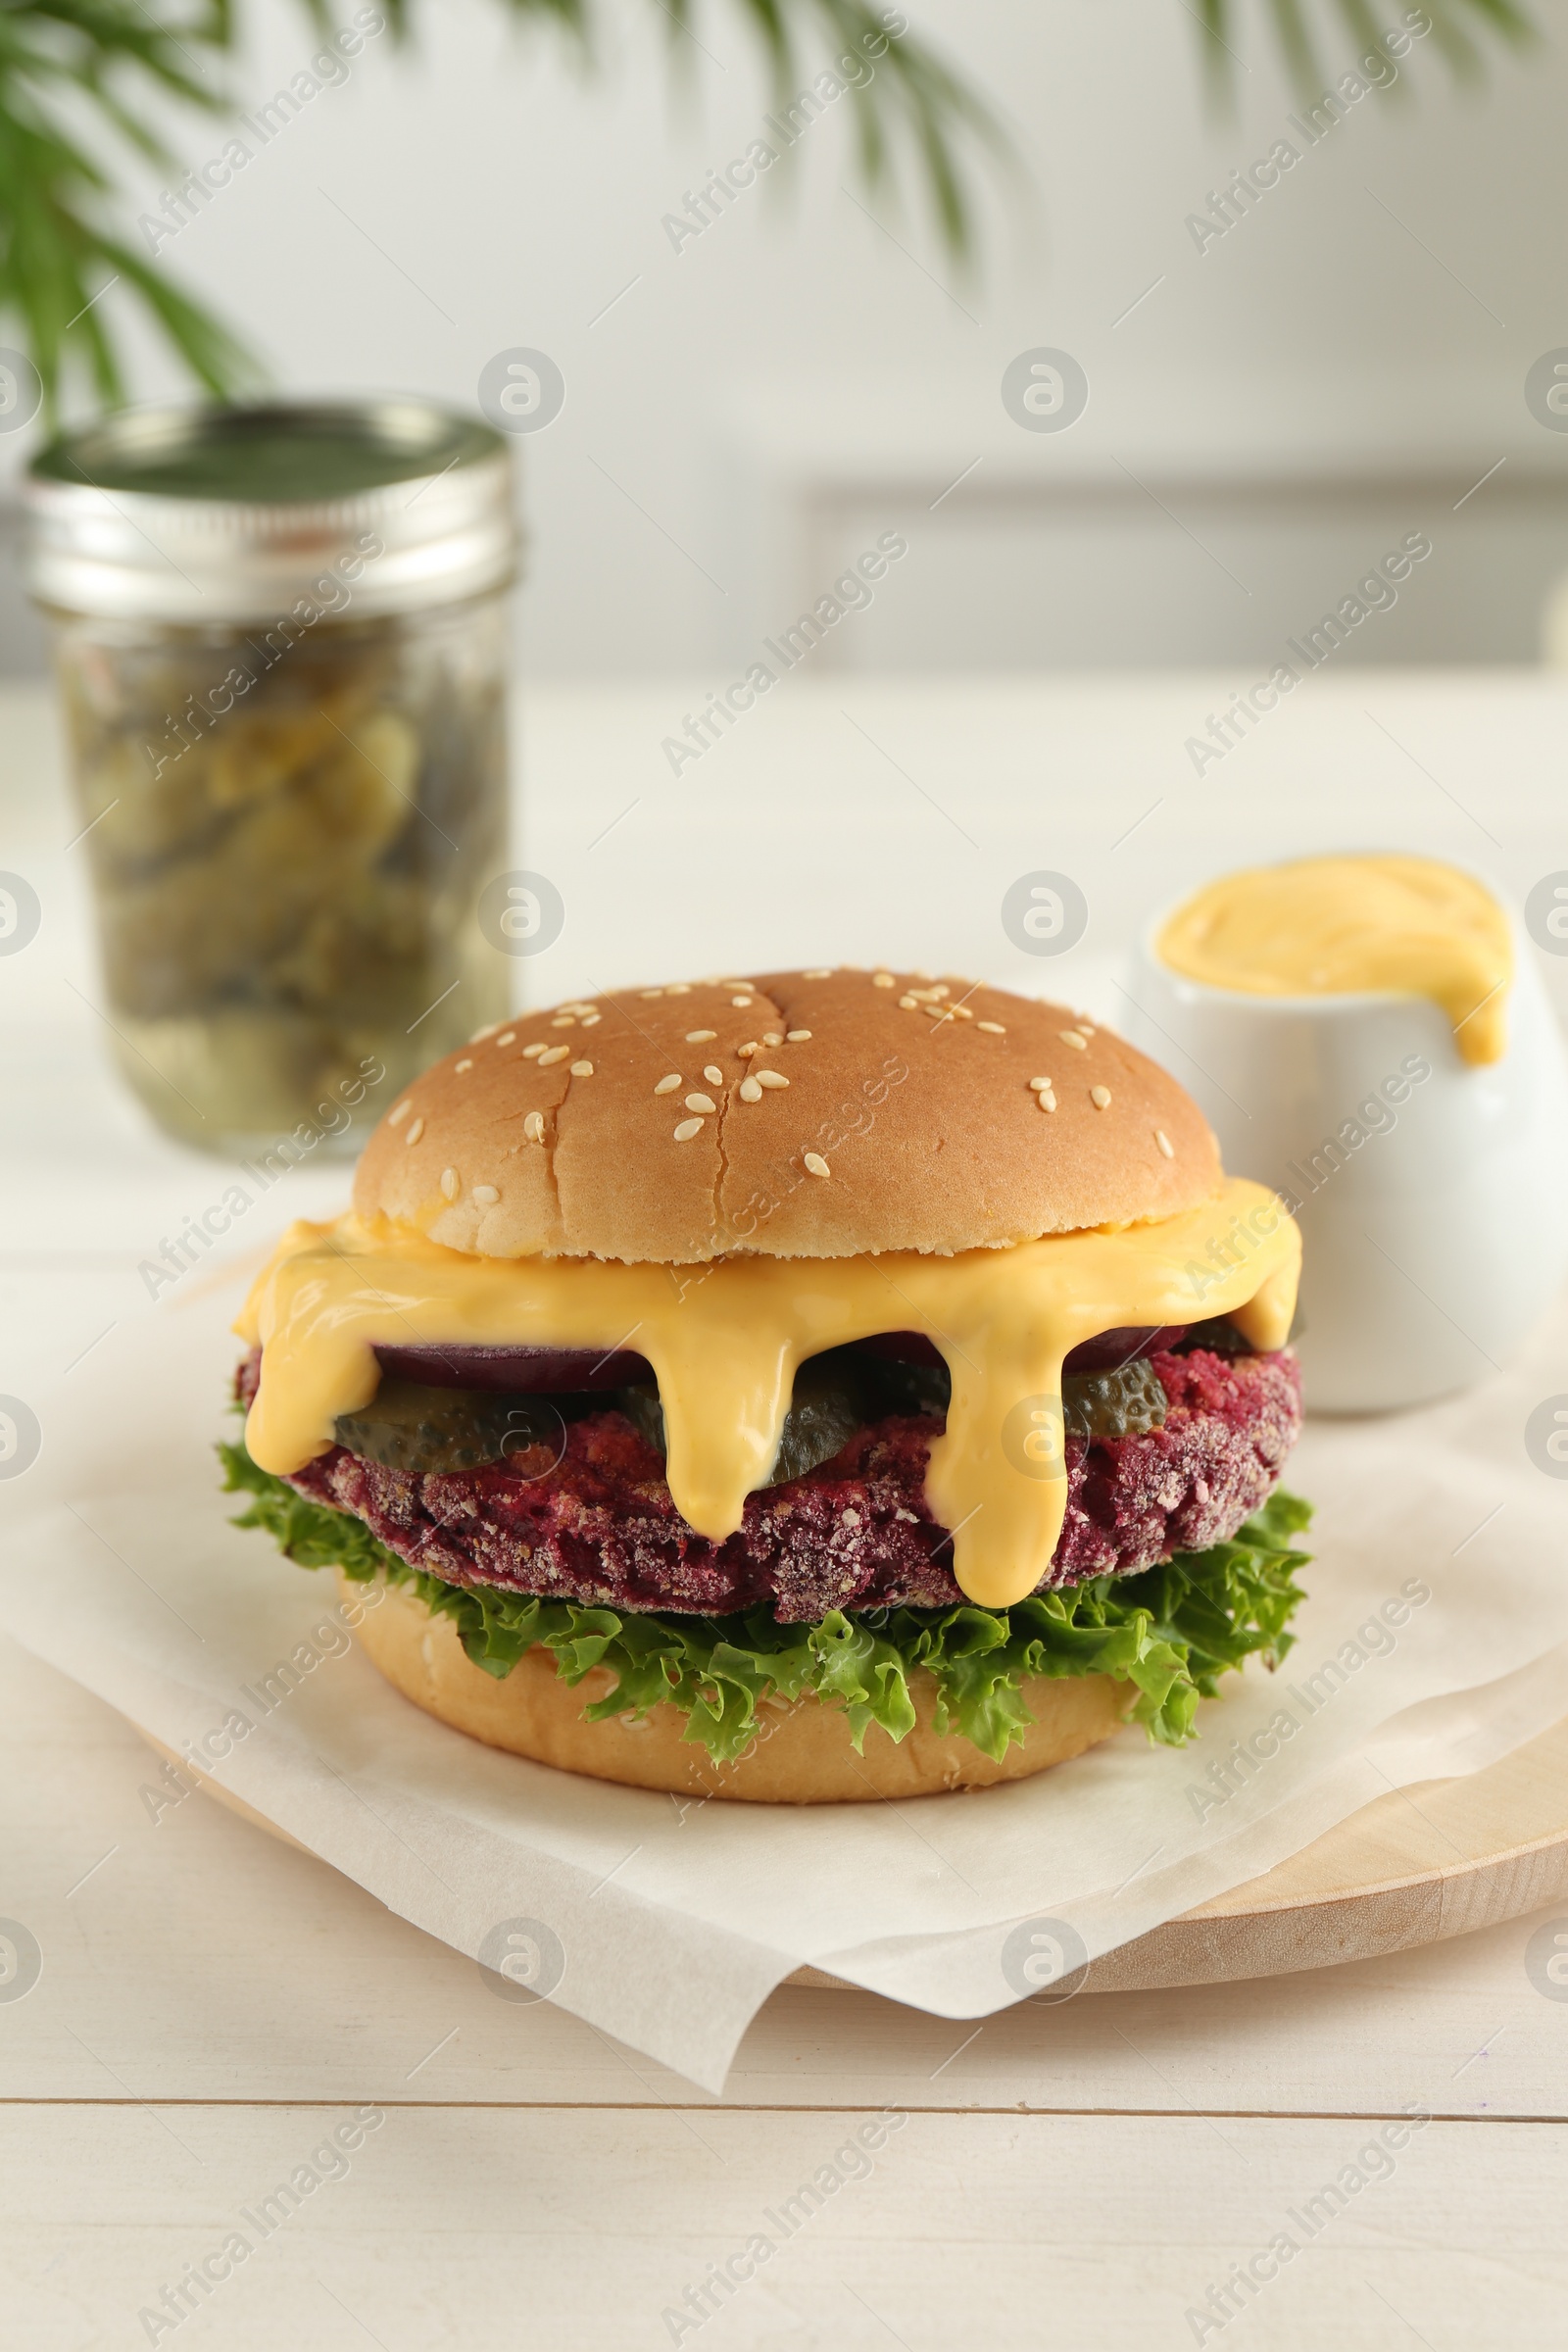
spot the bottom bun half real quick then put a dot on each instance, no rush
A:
(802, 1754)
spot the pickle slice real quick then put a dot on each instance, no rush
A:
(1117, 1403)
(829, 1405)
(1124, 1402)
(838, 1393)
(407, 1426)
(908, 1386)
(1219, 1335)
(642, 1409)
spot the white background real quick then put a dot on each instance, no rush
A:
(760, 404)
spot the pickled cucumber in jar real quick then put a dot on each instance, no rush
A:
(291, 792)
(277, 899)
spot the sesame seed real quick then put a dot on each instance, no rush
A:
(1164, 1143)
(553, 1055)
(464, 1064)
(533, 1127)
(564, 1020)
(448, 1183)
(507, 1037)
(701, 1037)
(815, 1166)
(1099, 1097)
(822, 973)
(961, 1012)
(534, 1052)
(1047, 1100)
(742, 1003)
(883, 980)
(1040, 1086)
(679, 987)
(414, 1132)
(713, 1074)
(667, 1086)
(1070, 1037)
(582, 1070)
(992, 1028)
(591, 1020)
(773, 1037)
(796, 1037)
(702, 1103)
(479, 1034)
(647, 994)
(486, 1195)
(746, 1052)
(908, 1004)
(770, 1078)
(750, 1092)
(687, 1129)
(395, 1118)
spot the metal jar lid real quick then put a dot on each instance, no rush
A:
(193, 515)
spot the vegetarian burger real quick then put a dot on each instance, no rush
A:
(832, 1385)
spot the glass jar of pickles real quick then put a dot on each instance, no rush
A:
(281, 646)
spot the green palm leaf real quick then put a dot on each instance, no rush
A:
(76, 75)
(77, 78)
(1455, 25)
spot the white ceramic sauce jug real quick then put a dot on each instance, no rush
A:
(1432, 1193)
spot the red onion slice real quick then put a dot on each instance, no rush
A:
(524, 1371)
(1107, 1350)
(537, 1371)
(1104, 1353)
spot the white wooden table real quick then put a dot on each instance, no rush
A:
(213, 2005)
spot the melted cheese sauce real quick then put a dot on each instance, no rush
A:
(725, 1341)
(1332, 926)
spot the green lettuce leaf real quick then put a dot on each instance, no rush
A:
(1171, 1633)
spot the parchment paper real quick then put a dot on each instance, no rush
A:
(669, 1921)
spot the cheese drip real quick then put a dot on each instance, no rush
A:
(725, 1341)
(1332, 926)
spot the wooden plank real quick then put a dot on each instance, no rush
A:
(198, 1958)
(568, 2229)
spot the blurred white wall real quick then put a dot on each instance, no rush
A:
(1266, 416)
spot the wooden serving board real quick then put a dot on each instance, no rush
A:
(1419, 1864)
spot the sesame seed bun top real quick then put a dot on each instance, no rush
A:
(802, 1114)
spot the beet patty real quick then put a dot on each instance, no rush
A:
(600, 1527)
